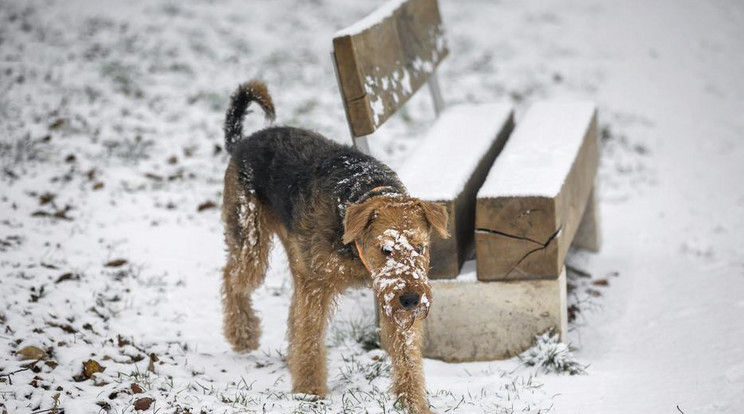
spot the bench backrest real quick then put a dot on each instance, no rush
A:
(383, 59)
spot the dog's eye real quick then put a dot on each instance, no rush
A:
(419, 248)
(386, 250)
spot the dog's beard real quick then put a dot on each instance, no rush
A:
(397, 277)
(403, 318)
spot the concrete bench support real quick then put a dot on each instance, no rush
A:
(449, 167)
(478, 321)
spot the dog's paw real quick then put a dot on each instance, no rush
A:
(314, 392)
(243, 336)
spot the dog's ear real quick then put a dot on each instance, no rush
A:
(436, 215)
(358, 216)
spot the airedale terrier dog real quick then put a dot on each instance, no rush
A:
(345, 220)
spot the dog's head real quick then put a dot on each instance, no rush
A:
(391, 233)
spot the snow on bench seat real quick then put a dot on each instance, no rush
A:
(449, 166)
(531, 204)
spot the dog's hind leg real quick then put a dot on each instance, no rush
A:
(248, 238)
(310, 311)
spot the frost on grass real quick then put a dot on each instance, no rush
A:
(551, 356)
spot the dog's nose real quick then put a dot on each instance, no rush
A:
(409, 300)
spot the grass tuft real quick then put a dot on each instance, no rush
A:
(551, 356)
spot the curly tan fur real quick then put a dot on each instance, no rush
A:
(376, 236)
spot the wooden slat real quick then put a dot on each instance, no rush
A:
(383, 63)
(525, 225)
(438, 171)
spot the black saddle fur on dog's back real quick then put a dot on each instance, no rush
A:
(289, 168)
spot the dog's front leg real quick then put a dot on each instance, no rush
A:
(404, 347)
(308, 318)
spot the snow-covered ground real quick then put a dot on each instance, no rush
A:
(111, 243)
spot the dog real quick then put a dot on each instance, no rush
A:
(345, 220)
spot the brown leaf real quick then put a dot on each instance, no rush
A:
(601, 282)
(46, 198)
(116, 263)
(206, 206)
(98, 185)
(151, 363)
(143, 404)
(136, 389)
(121, 341)
(67, 276)
(91, 367)
(594, 292)
(58, 123)
(31, 352)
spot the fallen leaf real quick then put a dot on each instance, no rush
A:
(121, 341)
(601, 282)
(91, 367)
(136, 389)
(151, 363)
(594, 292)
(46, 198)
(58, 123)
(116, 263)
(206, 205)
(143, 404)
(67, 276)
(31, 352)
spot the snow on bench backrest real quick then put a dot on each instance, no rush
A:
(383, 59)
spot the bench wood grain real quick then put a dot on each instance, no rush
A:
(383, 60)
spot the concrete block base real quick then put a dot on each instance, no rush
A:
(479, 321)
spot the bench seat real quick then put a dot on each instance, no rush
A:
(449, 166)
(530, 206)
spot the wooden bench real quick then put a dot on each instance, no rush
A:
(530, 207)
(538, 198)
(381, 61)
(522, 214)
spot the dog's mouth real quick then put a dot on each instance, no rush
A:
(405, 318)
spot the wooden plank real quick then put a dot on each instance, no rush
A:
(530, 206)
(385, 58)
(452, 174)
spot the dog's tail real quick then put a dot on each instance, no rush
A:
(251, 91)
